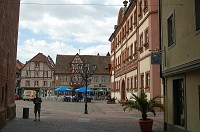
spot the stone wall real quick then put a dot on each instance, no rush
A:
(9, 19)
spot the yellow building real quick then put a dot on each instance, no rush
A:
(180, 39)
(135, 35)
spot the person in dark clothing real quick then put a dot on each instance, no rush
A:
(37, 101)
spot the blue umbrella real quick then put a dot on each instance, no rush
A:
(83, 89)
(63, 89)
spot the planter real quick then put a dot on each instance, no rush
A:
(146, 125)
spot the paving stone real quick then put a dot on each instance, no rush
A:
(70, 117)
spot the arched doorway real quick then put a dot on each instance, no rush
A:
(123, 90)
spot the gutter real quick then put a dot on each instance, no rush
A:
(161, 74)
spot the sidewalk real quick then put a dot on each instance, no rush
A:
(69, 116)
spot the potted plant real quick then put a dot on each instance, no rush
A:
(142, 104)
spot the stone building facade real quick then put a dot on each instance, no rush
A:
(9, 19)
(135, 36)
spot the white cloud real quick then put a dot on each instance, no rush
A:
(64, 24)
(32, 47)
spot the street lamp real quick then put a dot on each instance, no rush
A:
(86, 73)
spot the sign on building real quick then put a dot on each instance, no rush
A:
(156, 58)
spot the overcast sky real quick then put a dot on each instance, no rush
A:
(63, 27)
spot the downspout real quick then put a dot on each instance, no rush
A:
(161, 75)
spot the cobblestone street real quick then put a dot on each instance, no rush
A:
(70, 117)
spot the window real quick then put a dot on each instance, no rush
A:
(60, 78)
(135, 18)
(45, 83)
(131, 49)
(45, 73)
(36, 73)
(142, 81)
(27, 83)
(56, 77)
(140, 10)
(36, 64)
(141, 43)
(27, 73)
(127, 27)
(94, 67)
(95, 79)
(197, 14)
(79, 78)
(170, 27)
(179, 102)
(127, 83)
(131, 22)
(131, 82)
(103, 79)
(128, 53)
(2, 94)
(36, 83)
(147, 36)
(135, 47)
(141, 40)
(145, 6)
(135, 82)
(147, 80)
(75, 78)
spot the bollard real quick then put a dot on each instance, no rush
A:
(25, 113)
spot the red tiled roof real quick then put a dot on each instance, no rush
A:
(63, 63)
(42, 58)
(39, 57)
(19, 64)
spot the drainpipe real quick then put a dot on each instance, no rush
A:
(161, 75)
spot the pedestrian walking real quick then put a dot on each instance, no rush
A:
(37, 101)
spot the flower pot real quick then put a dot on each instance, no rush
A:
(146, 125)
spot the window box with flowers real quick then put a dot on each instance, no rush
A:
(140, 49)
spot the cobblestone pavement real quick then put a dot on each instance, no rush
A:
(70, 117)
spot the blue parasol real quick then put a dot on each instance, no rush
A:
(83, 89)
(63, 89)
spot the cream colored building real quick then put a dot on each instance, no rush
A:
(135, 35)
(37, 74)
(180, 39)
